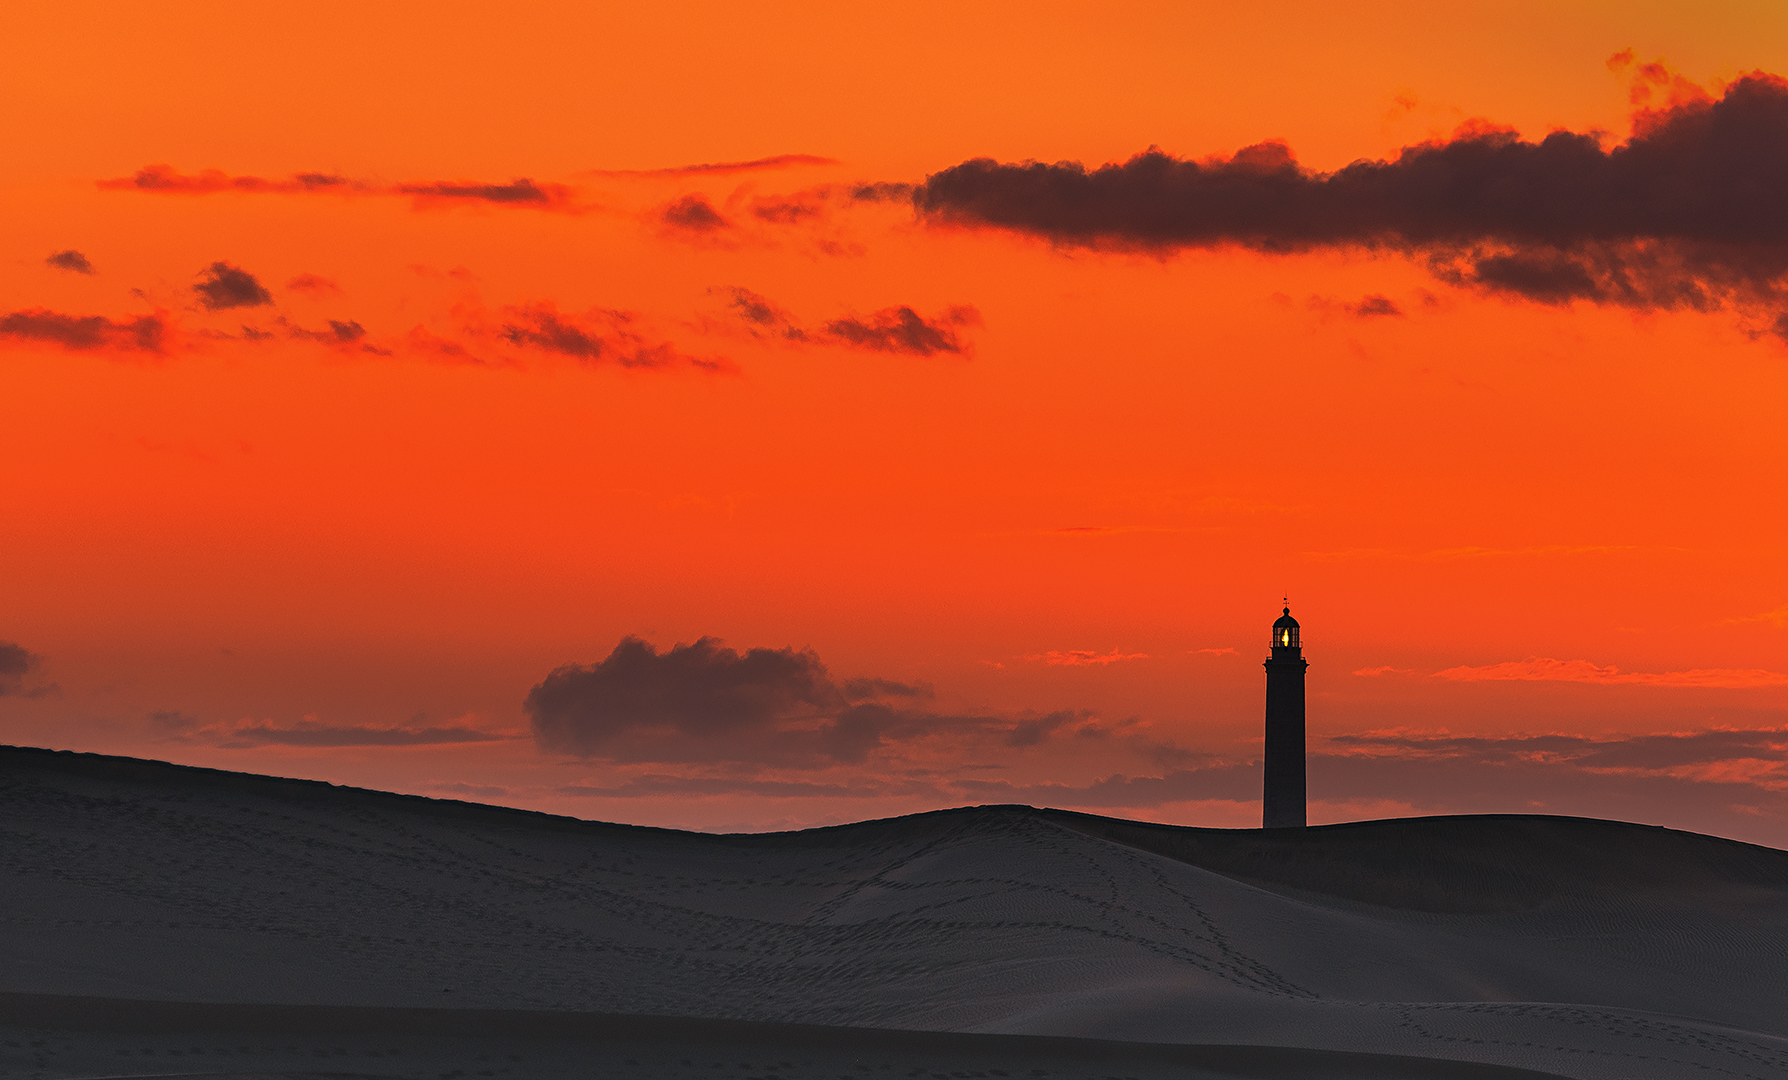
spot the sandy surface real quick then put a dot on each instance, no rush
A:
(308, 929)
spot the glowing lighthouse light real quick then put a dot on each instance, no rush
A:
(1282, 798)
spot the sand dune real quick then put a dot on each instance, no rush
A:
(162, 920)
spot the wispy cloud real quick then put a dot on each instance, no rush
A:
(1777, 618)
(1459, 553)
(313, 284)
(1085, 657)
(1546, 669)
(166, 180)
(314, 733)
(718, 168)
(1756, 757)
(523, 192)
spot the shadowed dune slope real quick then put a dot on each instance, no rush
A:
(1564, 946)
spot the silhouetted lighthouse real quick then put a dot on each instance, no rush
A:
(1282, 804)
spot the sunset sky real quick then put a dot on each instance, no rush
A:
(428, 396)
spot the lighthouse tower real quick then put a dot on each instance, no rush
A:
(1282, 805)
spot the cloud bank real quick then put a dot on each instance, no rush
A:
(1090, 657)
(1686, 214)
(85, 333)
(1546, 669)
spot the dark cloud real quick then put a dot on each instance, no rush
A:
(692, 213)
(895, 329)
(16, 662)
(771, 707)
(339, 333)
(222, 286)
(1374, 306)
(1686, 214)
(70, 260)
(244, 736)
(779, 161)
(764, 317)
(902, 330)
(598, 336)
(523, 192)
(539, 326)
(790, 209)
(164, 180)
(700, 694)
(82, 333)
(881, 191)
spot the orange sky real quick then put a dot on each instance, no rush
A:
(1536, 548)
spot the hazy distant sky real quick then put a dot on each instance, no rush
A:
(366, 365)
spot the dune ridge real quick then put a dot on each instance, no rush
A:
(1560, 946)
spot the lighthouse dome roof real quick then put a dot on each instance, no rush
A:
(1285, 620)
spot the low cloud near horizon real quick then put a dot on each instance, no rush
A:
(1712, 780)
(706, 703)
(15, 663)
(315, 734)
(1547, 669)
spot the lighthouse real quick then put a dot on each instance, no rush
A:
(1282, 802)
